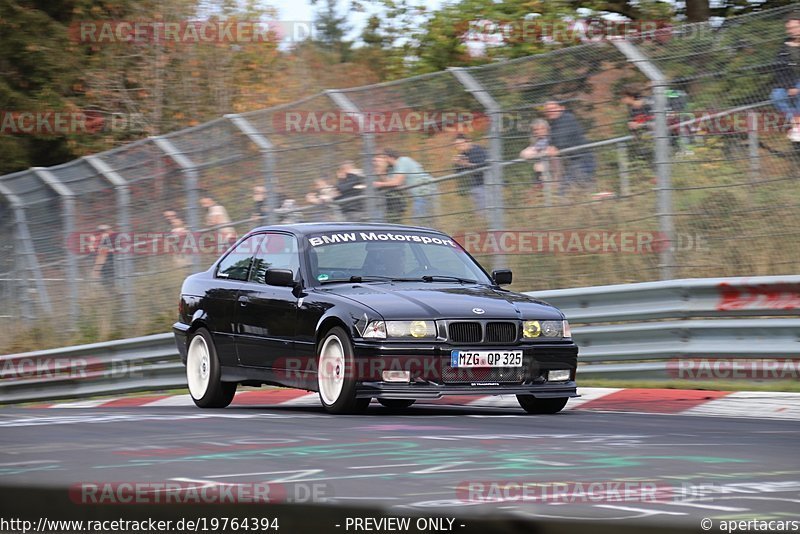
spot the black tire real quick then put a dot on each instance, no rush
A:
(533, 405)
(396, 404)
(215, 394)
(345, 402)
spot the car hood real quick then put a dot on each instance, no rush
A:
(409, 300)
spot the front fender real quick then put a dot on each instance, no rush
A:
(353, 322)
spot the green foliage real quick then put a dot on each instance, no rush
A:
(39, 73)
(332, 29)
(156, 86)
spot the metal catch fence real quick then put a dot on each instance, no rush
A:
(703, 183)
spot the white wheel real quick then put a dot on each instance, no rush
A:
(203, 373)
(336, 374)
(330, 377)
(198, 367)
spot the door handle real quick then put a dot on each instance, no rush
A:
(243, 300)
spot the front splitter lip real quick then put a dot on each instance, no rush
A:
(384, 390)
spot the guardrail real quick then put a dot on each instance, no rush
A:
(147, 363)
(624, 331)
(675, 320)
(679, 299)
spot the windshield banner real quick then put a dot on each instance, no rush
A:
(362, 237)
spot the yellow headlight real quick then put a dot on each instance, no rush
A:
(531, 329)
(419, 329)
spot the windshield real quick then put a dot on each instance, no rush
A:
(375, 256)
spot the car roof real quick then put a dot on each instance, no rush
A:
(318, 227)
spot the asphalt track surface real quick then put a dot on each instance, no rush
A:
(415, 460)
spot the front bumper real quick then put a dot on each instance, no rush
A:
(386, 390)
(432, 377)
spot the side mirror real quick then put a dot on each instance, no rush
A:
(279, 277)
(502, 277)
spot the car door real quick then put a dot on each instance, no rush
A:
(219, 302)
(266, 314)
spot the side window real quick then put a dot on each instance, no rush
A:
(277, 251)
(236, 265)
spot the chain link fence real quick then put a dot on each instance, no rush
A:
(573, 184)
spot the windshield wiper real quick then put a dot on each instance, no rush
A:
(376, 278)
(368, 278)
(446, 278)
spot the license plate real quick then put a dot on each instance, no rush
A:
(486, 358)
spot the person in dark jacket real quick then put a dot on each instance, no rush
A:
(471, 156)
(640, 121)
(786, 95)
(566, 132)
(350, 185)
(640, 113)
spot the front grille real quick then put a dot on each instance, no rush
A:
(501, 375)
(486, 332)
(501, 332)
(465, 332)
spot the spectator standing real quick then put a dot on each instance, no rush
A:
(545, 169)
(103, 250)
(323, 196)
(218, 219)
(472, 156)
(288, 212)
(179, 231)
(407, 171)
(640, 113)
(349, 185)
(261, 204)
(786, 95)
(640, 121)
(394, 201)
(566, 132)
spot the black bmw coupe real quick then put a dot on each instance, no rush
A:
(362, 311)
